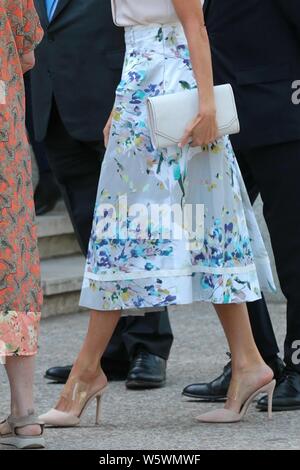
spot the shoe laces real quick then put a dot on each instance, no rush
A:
(288, 376)
(140, 357)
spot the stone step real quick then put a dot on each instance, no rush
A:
(56, 235)
(61, 282)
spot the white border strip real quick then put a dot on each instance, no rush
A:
(119, 276)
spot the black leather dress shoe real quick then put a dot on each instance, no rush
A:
(58, 374)
(286, 395)
(278, 367)
(212, 391)
(146, 371)
(217, 389)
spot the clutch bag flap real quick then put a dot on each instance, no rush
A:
(170, 114)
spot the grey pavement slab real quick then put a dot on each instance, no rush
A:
(158, 419)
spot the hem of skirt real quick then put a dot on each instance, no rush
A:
(18, 355)
(20, 334)
(260, 269)
(30, 312)
(130, 311)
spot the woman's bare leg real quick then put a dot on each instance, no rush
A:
(20, 372)
(87, 366)
(249, 371)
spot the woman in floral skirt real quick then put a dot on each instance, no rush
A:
(132, 265)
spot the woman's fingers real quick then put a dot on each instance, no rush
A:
(188, 135)
(200, 136)
(201, 131)
(206, 132)
(185, 139)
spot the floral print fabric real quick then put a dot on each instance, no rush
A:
(20, 290)
(151, 272)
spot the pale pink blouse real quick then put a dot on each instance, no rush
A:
(133, 12)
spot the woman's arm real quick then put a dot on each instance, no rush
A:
(203, 129)
(26, 29)
(32, 30)
(27, 61)
(25, 24)
(33, 34)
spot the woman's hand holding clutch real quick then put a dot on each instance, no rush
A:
(203, 130)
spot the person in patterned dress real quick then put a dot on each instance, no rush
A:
(134, 263)
(20, 288)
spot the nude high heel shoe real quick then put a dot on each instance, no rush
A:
(229, 416)
(81, 400)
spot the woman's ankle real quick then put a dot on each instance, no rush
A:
(247, 362)
(87, 373)
(82, 364)
(245, 380)
(30, 429)
(259, 368)
(18, 411)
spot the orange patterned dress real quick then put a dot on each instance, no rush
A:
(20, 290)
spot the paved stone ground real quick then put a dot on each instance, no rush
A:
(159, 419)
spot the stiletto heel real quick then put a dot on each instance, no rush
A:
(98, 409)
(270, 398)
(229, 416)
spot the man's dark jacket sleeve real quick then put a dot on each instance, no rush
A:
(291, 9)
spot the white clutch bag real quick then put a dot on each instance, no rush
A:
(169, 115)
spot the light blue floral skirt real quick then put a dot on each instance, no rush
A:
(135, 263)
